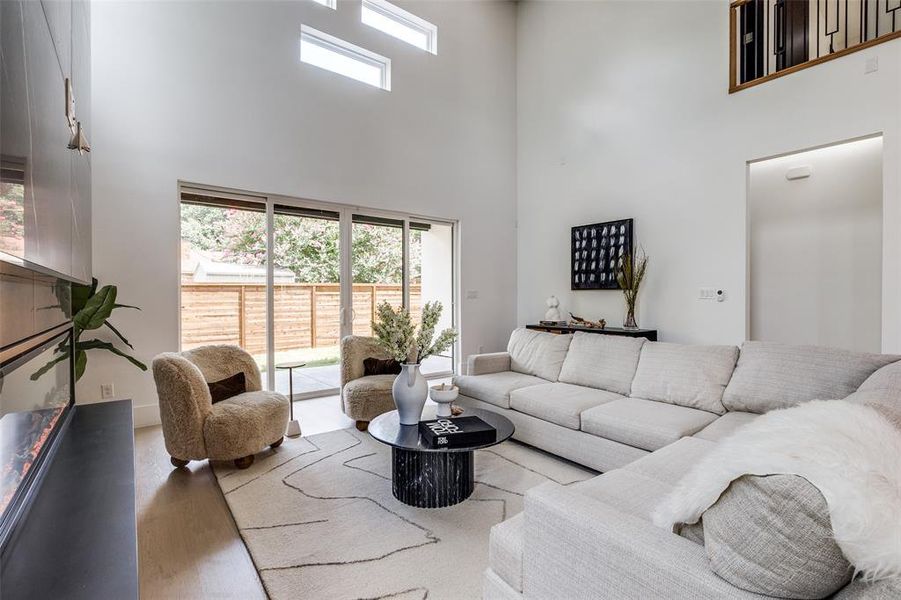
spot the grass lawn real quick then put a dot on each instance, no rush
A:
(314, 357)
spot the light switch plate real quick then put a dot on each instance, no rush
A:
(706, 293)
(872, 65)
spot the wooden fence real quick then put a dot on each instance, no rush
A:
(307, 315)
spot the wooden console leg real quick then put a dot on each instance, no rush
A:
(277, 443)
(177, 462)
(244, 462)
(362, 425)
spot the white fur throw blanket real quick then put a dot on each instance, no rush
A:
(850, 452)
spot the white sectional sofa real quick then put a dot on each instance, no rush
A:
(642, 413)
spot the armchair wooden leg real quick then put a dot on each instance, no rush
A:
(177, 462)
(362, 425)
(277, 443)
(244, 462)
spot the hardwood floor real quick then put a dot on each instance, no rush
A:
(188, 545)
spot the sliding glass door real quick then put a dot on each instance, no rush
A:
(306, 299)
(223, 274)
(286, 279)
(377, 264)
(431, 276)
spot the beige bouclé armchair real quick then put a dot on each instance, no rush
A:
(363, 398)
(234, 429)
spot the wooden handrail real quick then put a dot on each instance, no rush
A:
(736, 86)
(806, 65)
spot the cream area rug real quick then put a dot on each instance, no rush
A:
(319, 520)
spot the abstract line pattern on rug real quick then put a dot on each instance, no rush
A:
(324, 523)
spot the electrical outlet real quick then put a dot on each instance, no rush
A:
(107, 391)
(472, 294)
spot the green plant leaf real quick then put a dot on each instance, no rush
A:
(97, 309)
(81, 294)
(48, 366)
(96, 344)
(81, 361)
(119, 335)
(126, 306)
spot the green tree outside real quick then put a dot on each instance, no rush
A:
(309, 247)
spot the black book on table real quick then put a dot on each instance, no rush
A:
(456, 432)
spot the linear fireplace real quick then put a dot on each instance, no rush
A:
(36, 397)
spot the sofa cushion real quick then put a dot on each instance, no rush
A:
(672, 462)
(560, 403)
(537, 353)
(365, 398)
(626, 491)
(644, 423)
(245, 424)
(725, 425)
(772, 535)
(606, 362)
(691, 376)
(505, 551)
(770, 375)
(494, 388)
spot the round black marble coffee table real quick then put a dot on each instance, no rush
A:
(432, 477)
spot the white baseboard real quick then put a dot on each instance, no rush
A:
(146, 415)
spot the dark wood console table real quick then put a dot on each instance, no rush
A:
(79, 537)
(650, 334)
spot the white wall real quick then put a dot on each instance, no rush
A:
(213, 92)
(623, 111)
(816, 247)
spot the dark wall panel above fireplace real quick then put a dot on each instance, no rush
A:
(45, 196)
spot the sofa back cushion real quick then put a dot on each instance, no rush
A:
(605, 362)
(884, 378)
(537, 353)
(693, 376)
(882, 391)
(771, 375)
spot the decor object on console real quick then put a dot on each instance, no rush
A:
(91, 309)
(597, 251)
(443, 395)
(234, 429)
(397, 335)
(553, 310)
(629, 275)
(580, 322)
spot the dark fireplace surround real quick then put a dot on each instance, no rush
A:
(35, 408)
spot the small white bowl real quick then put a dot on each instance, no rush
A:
(444, 398)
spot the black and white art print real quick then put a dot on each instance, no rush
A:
(597, 252)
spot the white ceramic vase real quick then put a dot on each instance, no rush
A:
(410, 391)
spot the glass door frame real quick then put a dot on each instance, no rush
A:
(345, 243)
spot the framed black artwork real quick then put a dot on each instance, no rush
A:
(596, 253)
